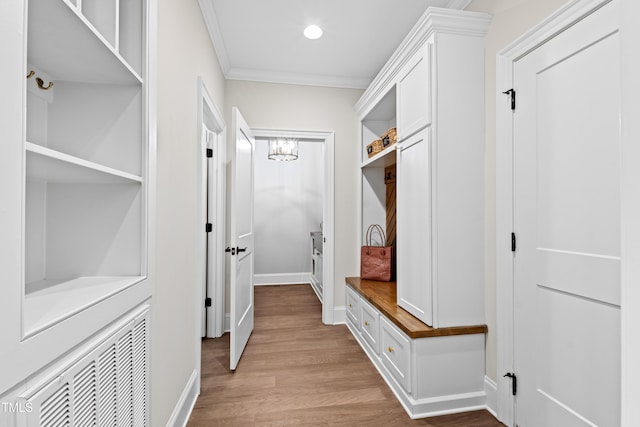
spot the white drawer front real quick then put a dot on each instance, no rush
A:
(396, 353)
(353, 307)
(370, 325)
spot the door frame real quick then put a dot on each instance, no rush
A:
(630, 201)
(328, 210)
(208, 112)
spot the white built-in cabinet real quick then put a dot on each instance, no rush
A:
(432, 90)
(76, 156)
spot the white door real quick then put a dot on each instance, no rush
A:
(567, 224)
(413, 200)
(241, 225)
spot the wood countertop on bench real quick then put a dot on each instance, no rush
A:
(382, 295)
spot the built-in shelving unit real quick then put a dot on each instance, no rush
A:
(425, 332)
(85, 150)
(85, 44)
(75, 206)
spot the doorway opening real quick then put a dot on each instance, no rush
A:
(294, 215)
(211, 216)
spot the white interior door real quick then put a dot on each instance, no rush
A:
(567, 223)
(241, 226)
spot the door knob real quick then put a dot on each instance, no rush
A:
(238, 249)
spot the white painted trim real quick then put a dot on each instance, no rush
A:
(630, 225)
(227, 322)
(434, 19)
(548, 28)
(297, 78)
(234, 73)
(211, 22)
(339, 315)
(426, 407)
(491, 390)
(281, 279)
(328, 210)
(216, 121)
(184, 407)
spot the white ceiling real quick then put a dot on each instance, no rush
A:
(262, 40)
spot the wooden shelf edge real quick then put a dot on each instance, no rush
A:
(382, 295)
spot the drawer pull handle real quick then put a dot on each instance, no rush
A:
(366, 323)
(390, 349)
(350, 306)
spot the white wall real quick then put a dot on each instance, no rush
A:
(288, 206)
(280, 106)
(184, 53)
(511, 19)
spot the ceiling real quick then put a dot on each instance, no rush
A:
(262, 40)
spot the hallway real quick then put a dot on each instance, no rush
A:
(296, 371)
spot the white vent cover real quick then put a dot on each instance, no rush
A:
(107, 387)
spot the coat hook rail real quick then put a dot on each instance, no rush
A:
(41, 85)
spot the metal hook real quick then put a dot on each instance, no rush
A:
(41, 85)
(31, 73)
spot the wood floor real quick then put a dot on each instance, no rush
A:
(296, 371)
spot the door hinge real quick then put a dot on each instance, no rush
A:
(514, 382)
(513, 242)
(209, 152)
(511, 92)
(207, 302)
(209, 227)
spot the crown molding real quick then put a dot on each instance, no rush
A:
(211, 22)
(434, 20)
(232, 73)
(298, 78)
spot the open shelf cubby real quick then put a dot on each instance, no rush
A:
(85, 150)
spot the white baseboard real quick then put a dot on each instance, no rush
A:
(281, 279)
(339, 315)
(491, 389)
(187, 401)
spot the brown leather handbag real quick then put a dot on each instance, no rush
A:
(376, 262)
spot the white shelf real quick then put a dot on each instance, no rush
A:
(48, 302)
(67, 46)
(53, 166)
(386, 157)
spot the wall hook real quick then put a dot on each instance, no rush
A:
(31, 73)
(41, 85)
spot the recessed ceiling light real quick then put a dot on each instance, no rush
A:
(313, 32)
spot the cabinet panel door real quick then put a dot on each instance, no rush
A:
(396, 353)
(413, 214)
(353, 308)
(414, 94)
(369, 325)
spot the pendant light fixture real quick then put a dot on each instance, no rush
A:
(283, 149)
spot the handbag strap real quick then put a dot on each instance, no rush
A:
(380, 231)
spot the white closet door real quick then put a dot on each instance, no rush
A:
(241, 223)
(567, 224)
(413, 238)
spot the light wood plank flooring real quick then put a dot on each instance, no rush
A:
(296, 371)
